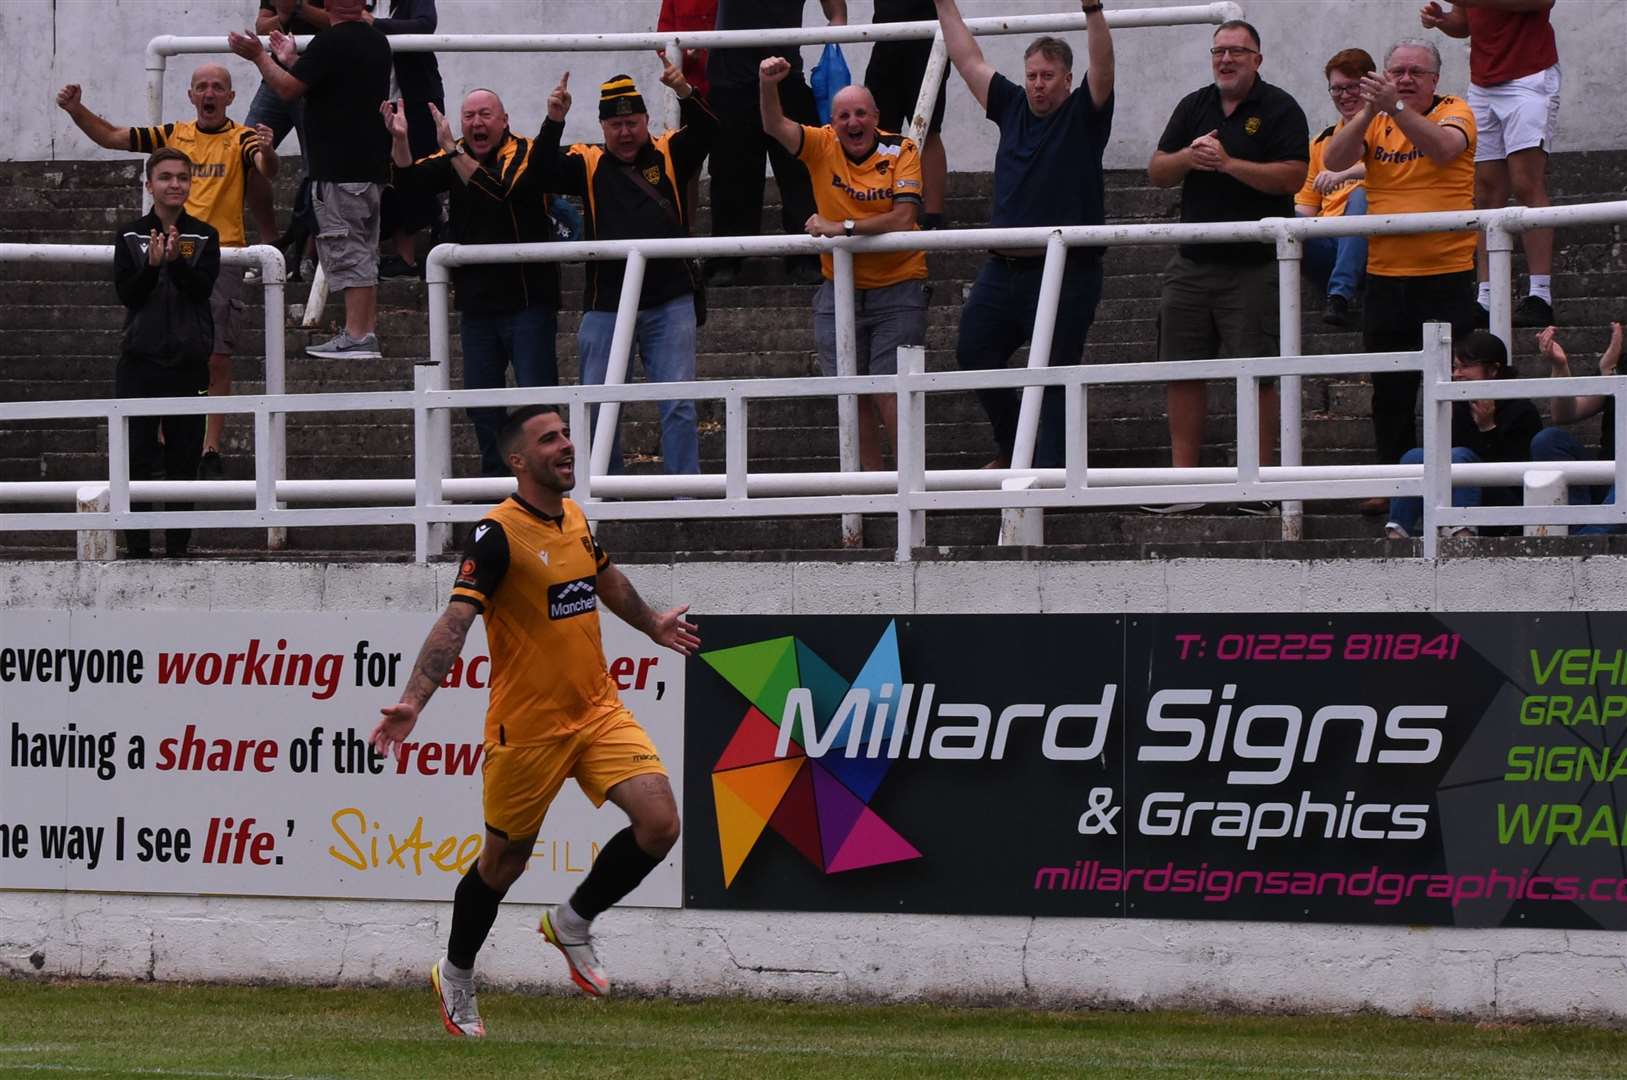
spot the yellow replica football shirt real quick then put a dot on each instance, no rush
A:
(1333, 203)
(221, 161)
(844, 188)
(1401, 180)
(535, 579)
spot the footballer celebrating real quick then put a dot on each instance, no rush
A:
(533, 569)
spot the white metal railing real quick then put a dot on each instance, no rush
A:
(911, 488)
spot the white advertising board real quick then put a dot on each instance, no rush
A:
(225, 753)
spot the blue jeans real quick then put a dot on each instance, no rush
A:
(665, 338)
(999, 317)
(1409, 512)
(1557, 444)
(1338, 264)
(491, 343)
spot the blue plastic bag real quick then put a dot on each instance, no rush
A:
(827, 79)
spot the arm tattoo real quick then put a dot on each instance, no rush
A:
(441, 649)
(621, 598)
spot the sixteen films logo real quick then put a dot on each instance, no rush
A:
(820, 807)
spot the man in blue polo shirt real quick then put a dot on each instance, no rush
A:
(1047, 172)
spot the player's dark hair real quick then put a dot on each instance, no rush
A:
(1052, 48)
(163, 154)
(1238, 24)
(509, 433)
(1482, 347)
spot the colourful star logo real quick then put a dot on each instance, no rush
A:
(820, 807)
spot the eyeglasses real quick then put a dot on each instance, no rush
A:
(1232, 52)
(1346, 90)
(1413, 72)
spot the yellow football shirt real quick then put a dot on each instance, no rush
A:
(1333, 203)
(220, 164)
(844, 188)
(535, 579)
(1401, 180)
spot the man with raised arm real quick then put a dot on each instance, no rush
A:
(634, 187)
(866, 182)
(1514, 93)
(1238, 148)
(508, 313)
(1047, 172)
(224, 155)
(534, 571)
(1418, 147)
(342, 77)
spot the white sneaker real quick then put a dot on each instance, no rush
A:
(586, 971)
(1392, 531)
(459, 1012)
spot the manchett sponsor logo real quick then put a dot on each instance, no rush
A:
(571, 598)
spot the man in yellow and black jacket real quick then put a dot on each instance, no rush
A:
(509, 311)
(633, 187)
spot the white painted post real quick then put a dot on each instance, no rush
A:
(1437, 339)
(847, 405)
(734, 446)
(317, 299)
(582, 437)
(1500, 273)
(426, 488)
(95, 545)
(1546, 487)
(1039, 349)
(621, 348)
(1021, 526)
(937, 61)
(911, 451)
(272, 445)
(1290, 253)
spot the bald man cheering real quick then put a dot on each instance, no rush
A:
(865, 182)
(509, 312)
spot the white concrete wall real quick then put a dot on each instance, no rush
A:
(1032, 961)
(100, 43)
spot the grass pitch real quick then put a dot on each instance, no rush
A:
(247, 1033)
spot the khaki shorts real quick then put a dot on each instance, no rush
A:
(228, 308)
(520, 782)
(347, 233)
(884, 319)
(1217, 311)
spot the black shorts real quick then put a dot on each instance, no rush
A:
(894, 79)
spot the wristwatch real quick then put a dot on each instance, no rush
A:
(456, 151)
(847, 227)
(1091, 9)
(1400, 105)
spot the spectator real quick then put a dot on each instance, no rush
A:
(226, 156)
(418, 83)
(894, 75)
(164, 267)
(1489, 429)
(1047, 130)
(874, 187)
(634, 187)
(508, 312)
(1557, 444)
(1337, 265)
(296, 18)
(1514, 92)
(1239, 149)
(1418, 147)
(343, 77)
(741, 145)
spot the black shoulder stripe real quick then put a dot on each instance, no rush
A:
(1327, 133)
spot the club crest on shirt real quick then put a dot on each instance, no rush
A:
(882, 166)
(587, 545)
(189, 248)
(653, 174)
(1252, 125)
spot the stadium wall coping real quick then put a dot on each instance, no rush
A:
(1027, 961)
(101, 46)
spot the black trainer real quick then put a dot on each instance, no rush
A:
(1533, 311)
(210, 466)
(1337, 311)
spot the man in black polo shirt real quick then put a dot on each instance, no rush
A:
(343, 77)
(1047, 172)
(1238, 148)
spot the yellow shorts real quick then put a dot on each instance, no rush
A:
(520, 782)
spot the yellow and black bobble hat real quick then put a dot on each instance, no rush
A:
(619, 97)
